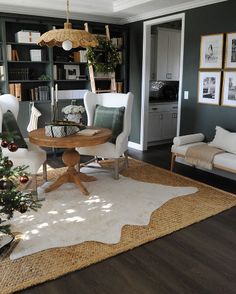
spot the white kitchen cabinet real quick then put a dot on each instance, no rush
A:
(153, 57)
(168, 54)
(162, 122)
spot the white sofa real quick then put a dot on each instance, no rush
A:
(224, 139)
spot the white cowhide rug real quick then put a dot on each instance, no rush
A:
(67, 217)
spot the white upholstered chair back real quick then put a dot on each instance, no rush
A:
(108, 149)
(34, 156)
(8, 102)
(110, 100)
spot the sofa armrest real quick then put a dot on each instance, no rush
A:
(188, 139)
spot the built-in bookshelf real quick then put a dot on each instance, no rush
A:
(27, 67)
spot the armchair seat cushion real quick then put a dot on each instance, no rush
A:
(111, 118)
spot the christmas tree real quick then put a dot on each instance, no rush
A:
(11, 178)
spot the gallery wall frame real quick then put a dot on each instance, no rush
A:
(229, 89)
(211, 51)
(209, 85)
(230, 51)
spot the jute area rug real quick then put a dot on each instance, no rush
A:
(177, 213)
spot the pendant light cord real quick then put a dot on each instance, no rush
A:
(67, 11)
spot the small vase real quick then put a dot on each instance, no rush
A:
(75, 117)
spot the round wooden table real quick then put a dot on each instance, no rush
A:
(70, 156)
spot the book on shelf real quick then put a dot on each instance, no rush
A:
(40, 93)
(9, 53)
(2, 73)
(19, 74)
(83, 56)
(15, 90)
(14, 55)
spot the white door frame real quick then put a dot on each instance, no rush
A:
(146, 73)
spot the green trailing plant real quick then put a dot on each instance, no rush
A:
(105, 57)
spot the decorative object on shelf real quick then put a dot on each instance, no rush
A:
(209, 87)
(230, 51)
(229, 89)
(73, 112)
(44, 78)
(211, 54)
(67, 37)
(72, 71)
(105, 57)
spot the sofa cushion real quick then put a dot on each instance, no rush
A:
(225, 161)
(187, 139)
(111, 118)
(9, 125)
(224, 140)
(181, 150)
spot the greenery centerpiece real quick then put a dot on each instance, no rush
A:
(105, 57)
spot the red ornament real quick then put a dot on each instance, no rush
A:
(24, 179)
(12, 147)
(4, 143)
(8, 163)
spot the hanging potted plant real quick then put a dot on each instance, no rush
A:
(104, 58)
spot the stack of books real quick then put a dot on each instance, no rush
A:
(15, 90)
(40, 93)
(19, 74)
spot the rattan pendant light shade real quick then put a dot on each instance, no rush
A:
(78, 38)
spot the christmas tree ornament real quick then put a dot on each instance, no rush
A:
(22, 208)
(12, 147)
(6, 184)
(4, 143)
(24, 179)
(8, 163)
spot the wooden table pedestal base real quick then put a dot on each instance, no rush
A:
(71, 158)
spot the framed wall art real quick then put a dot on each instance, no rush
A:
(209, 87)
(229, 89)
(72, 72)
(230, 51)
(211, 51)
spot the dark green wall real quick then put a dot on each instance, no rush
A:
(135, 76)
(217, 18)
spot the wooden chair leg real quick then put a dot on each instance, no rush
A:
(116, 166)
(45, 171)
(173, 156)
(126, 159)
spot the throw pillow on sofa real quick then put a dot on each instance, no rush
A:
(225, 140)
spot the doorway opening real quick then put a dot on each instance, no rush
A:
(163, 50)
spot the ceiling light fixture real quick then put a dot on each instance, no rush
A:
(68, 38)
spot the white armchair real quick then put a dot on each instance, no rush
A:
(34, 156)
(110, 150)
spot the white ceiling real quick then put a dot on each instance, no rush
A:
(114, 11)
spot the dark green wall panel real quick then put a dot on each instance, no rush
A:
(195, 117)
(135, 76)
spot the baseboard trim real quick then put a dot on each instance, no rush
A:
(134, 145)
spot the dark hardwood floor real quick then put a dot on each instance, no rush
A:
(199, 259)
